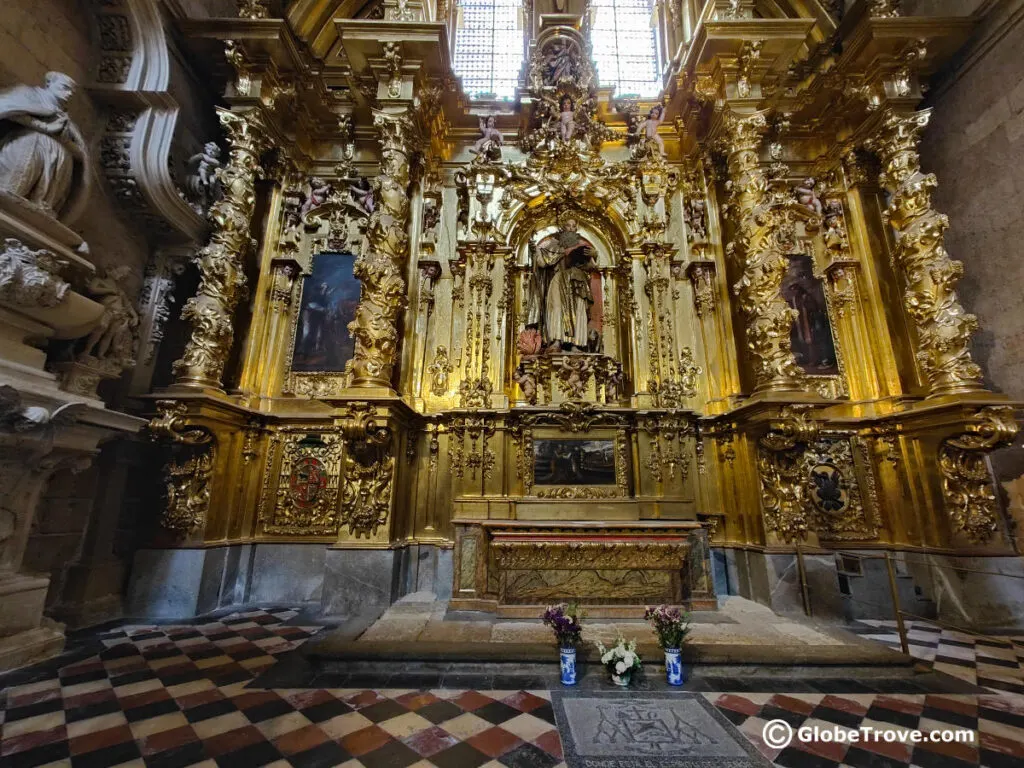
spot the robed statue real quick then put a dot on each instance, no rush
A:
(559, 299)
(42, 153)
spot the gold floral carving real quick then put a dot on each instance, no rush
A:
(779, 461)
(367, 472)
(571, 555)
(577, 492)
(669, 446)
(943, 327)
(763, 238)
(833, 489)
(439, 371)
(221, 262)
(381, 266)
(189, 469)
(187, 482)
(966, 480)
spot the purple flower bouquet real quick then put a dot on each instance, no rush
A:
(565, 621)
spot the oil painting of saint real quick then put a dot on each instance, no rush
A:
(574, 462)
(814, 348)
(330, 295)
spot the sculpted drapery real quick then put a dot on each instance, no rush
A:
(42, 153)
(560, 297)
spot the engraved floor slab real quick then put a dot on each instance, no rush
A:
(630, 729)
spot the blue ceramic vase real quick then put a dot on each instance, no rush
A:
(567, 656)
(673, 667)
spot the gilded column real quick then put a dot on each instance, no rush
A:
(930, 276)
(381, 266)
(222, 261)
(758, 247)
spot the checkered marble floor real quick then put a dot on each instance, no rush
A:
(180, 695)
(995, 662)
(168, 696)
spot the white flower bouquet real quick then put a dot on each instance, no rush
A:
(621, 660)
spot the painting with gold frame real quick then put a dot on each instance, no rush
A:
(597, 481)
(330, 295)
(573, 462)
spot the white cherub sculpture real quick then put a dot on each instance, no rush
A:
(202, 184)
(490, 142)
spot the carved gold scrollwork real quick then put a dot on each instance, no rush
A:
(221, 263)
(966, 480)
(783, 492)
(368, 471)
(306, 502)
(189, 469)
(943, 327)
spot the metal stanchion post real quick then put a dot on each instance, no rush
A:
(900, 627)
(802, 572)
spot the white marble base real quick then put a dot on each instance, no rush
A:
(32, 645)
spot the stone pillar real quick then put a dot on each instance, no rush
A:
(758, 248)
(930, 276)
(222, 262)
(381, 266)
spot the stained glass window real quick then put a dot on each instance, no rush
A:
(489, 47)
(624, 47)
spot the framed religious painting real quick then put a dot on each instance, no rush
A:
(321, 345)
(811, 337)
(557, 465)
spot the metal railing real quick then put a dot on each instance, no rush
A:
(898, 613)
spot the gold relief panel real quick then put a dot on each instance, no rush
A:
(603, 586)
(834, 470)
(304, 499)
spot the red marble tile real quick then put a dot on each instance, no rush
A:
(82, 668)
(431, 741)
(96, 697)
(550, 742)
(524, 702)
(906, 706)
(844, 705)
(90, 742)
(737, 704)
(303, 699)
(300, 740)
(416, 700)
(365, 740)
(1002, 744)
(165, 740)
(494, 741)
(953, 705)
(966, 752)
(791, 704)
(363, 699)
(14, 744)
(253, 698)
(471, 700)
(142, 699)
(232, 740)
(1009, 704)
(35, 697)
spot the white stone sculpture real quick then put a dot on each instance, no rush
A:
(43, 157)
(113, 340)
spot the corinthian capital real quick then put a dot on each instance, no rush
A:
(896, 143)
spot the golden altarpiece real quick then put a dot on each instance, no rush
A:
(577, 342)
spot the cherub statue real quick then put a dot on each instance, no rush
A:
(694, 213)
(318, 192)
(490, 142)
(114, 337)
(527, 382)
(202, 184)
(566, 119)
(807, 196)
(654, 119)
(362, 195)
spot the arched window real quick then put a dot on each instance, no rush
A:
(489, 47)
(624, 47)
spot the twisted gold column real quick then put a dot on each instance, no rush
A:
(381, 266)
(758, 249)
(929, 296)
(222, 261)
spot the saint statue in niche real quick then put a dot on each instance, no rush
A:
(560, 294)
(42, 153)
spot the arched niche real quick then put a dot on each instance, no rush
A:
(611, 284)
